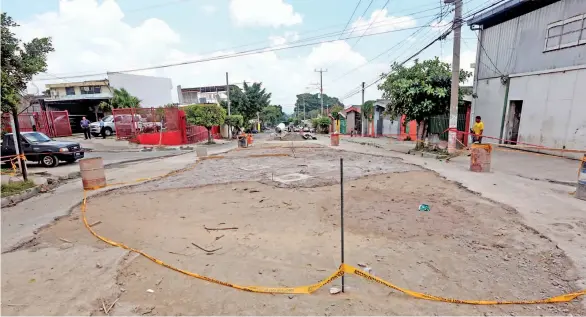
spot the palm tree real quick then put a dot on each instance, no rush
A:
(123, 99)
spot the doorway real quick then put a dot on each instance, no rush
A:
(514, 121)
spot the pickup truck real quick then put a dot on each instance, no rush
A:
(126, 122)
(38, 147)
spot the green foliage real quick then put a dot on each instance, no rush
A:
(312, 102)
(419, 91)
(207, 115)
(271, 115)
(105, 106)
(234, 120)
(123, 99)
(335, 111)
(20, 61)
(368, 109)
(248, 101)
(321, 124)
(16, 187)
(313, 114)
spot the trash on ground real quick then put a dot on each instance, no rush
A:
(150, 291)
(335, 290)
(424, 207)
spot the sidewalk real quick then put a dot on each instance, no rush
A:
(21, 221)
(546, 207)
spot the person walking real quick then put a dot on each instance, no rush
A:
(85, 126)
(102, 129)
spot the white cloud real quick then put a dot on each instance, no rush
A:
(209, 9)
(114, 45)
(284, 39)
(272, 13)
(379, 21)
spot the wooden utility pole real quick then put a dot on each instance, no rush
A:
(17, 144)
(457, 27)
(228, 104)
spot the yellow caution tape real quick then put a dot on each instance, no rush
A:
(308, 289)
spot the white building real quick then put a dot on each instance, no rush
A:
(207, 94)
(530, 72)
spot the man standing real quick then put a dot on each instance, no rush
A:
(477, 130)
(102, 130)
(85, 125)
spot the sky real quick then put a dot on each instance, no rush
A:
(96, 36)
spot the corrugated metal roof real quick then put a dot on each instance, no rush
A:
(507, 11)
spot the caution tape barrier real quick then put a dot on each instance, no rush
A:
(307, 289)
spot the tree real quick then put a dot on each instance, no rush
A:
(247, 101)
(123, 99)
(420, 91)
(312, 102)
(19, 62)
(271, 115)
(336, 113)
(321, 124)
(234, 120)
(368, 112)
(206, 115)
(313, 114)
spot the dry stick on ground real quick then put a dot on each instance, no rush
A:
(220, 237)
(104, 307)
(179, 253)
(209, 251)
(65, 240)
(96, 223)
(215, 229)
(112, 305)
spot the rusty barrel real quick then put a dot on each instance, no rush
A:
(581, 188)
(480, 157)
(335, 139)
(92, 173)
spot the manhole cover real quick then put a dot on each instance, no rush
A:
(290, 178)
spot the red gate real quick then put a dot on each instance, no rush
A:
(51, 123)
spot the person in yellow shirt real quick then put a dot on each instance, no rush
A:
(477, 130)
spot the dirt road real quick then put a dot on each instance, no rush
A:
(288, 235)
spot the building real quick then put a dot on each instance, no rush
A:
(353, 119)
(530, 73)
(208, 94)
(82, 98)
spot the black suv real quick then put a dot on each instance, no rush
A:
(36, 146)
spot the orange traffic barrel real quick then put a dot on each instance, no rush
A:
(335, 139)
(92, 173)
(480, 157)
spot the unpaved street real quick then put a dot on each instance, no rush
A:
(465, 247)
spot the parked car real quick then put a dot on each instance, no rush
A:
(36, 146)
(109, 126)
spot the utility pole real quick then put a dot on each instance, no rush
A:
(228, 103)
(362, 114)
(17, 144)
(321, 88)
(228, 92)
(457, 27)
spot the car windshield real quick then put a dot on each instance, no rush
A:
(108, 119)
(36, 137)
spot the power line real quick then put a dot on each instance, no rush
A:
(226, 56)
(371, 22)
(350, 19)
(363, 13)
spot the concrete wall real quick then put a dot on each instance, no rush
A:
(489, 105)
(350, 120)
(152, 91)
(554, 108)
(517, 45)
(392, 127)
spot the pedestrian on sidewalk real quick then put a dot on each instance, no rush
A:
(477, 130)
(85, 126)
(102, 129)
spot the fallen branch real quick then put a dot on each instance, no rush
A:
(104, 307)
(65, 240)
(112, 305)
(178, 253)
(159, 282)
(208, 251)
(220, 237)
(96, 223)
(216, 229)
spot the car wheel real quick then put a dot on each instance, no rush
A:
(49, 161)
(108, 131)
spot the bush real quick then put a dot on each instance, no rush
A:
(16, 187)
(321, 124)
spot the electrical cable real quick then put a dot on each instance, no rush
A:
(351, 16)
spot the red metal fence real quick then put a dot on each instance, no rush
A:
(51, 123)
(130, 122)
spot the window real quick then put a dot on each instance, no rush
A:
(70, 91)
(566, 33)
(90, 90)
